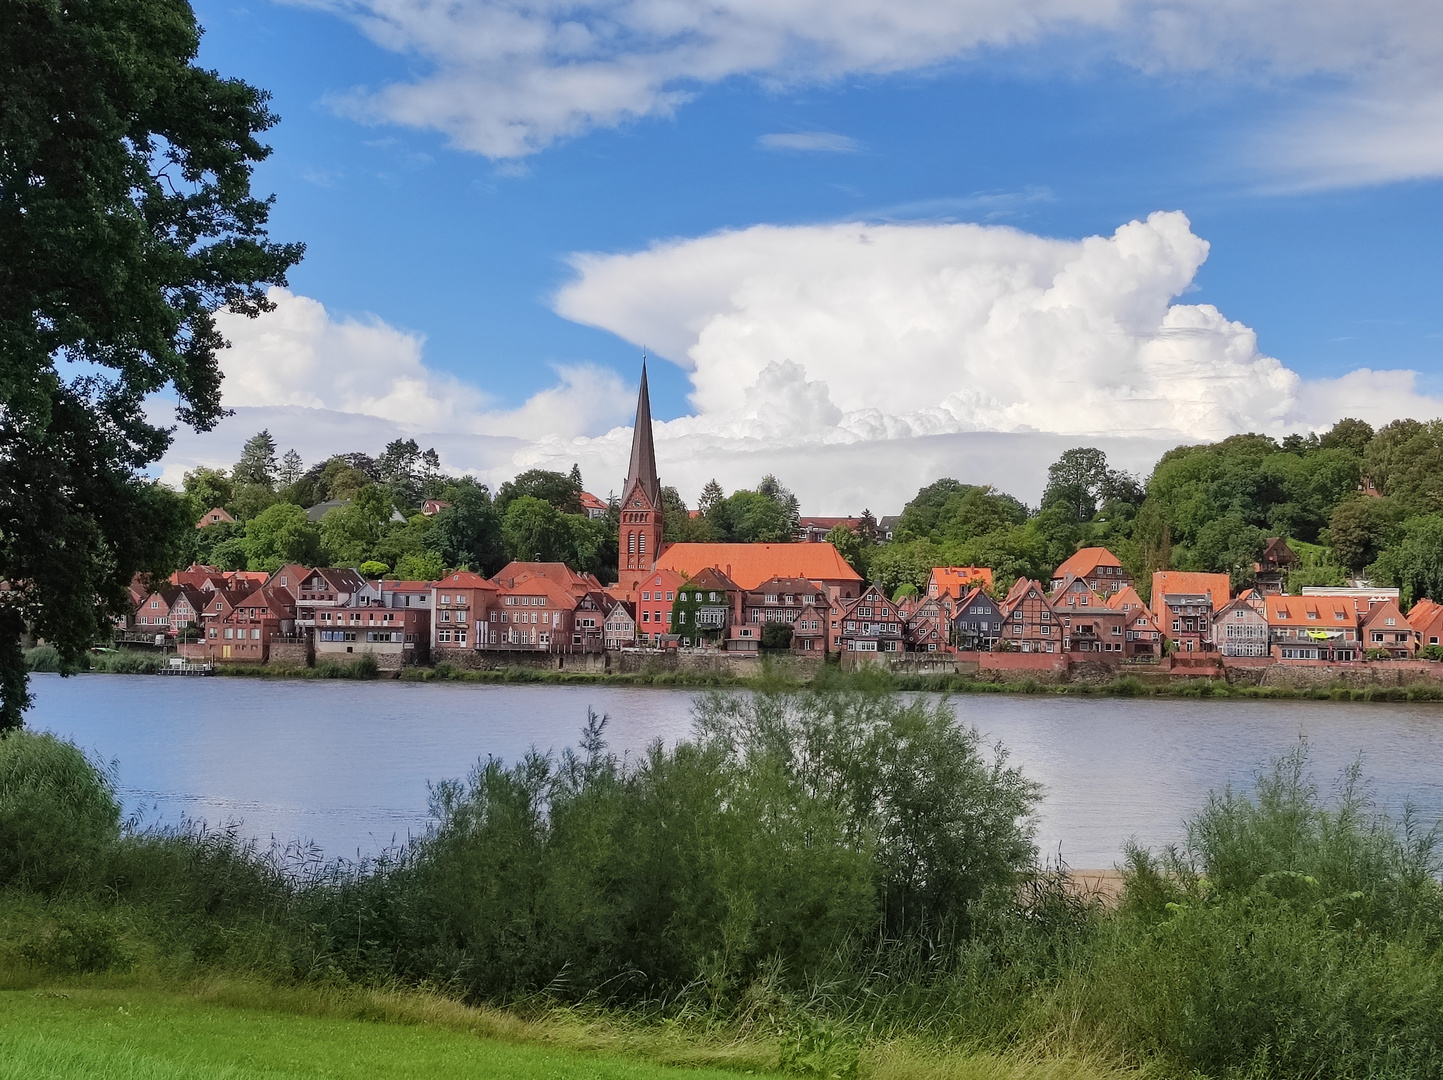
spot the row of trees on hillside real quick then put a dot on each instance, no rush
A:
(377, 525)
(1206, 508)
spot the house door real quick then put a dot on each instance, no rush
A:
(225, 652)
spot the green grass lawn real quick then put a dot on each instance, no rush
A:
(141, 1035)
(215, 1032)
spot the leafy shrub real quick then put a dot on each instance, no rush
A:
(59, 816)
(78, 944)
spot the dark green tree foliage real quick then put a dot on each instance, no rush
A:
(1077, 482)
(776, 637)
(257, 464)
(468, 532)
(1405, 460)
(1361, 528)
(350, 533)
(1251, 480)
(678, 526)
(561, 491)
(205, 489)
(278, 535)
(1415, 564)
(126, 219)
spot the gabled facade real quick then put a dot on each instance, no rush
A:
(977, 621)
(1241, 629)
(793, 601)
(1099, 569)
(871, 623)
(706, 608)
(577, 584)
(751, 564)
(245, 633)
(216, 515)
(619, 628)
(588, 622)
(639, 538)
(1272, 568)
(927, 626)
(1142, 638)
(1089, 625)
(1384, 627)
(1031, 624)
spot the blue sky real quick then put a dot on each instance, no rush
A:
(430, 218)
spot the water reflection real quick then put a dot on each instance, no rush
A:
(346, 765)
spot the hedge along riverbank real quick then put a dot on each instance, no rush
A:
(833, 872)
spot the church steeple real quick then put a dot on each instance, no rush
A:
(641, 513)
(642, 470)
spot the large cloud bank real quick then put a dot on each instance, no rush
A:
(838, 333)
(507, 77)
(858, 361)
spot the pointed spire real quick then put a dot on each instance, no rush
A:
(642, 471)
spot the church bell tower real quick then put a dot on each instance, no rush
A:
(641, 513)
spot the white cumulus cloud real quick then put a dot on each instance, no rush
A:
(507, 77)
(846, 332)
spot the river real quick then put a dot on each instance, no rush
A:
(345, 765)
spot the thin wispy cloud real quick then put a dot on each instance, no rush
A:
(506, 78)
(979, 206)
(810, 142)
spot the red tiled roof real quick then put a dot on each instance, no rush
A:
(951, 580)
(1327, 612)
(1085, 561)
(1425, 613)
(514, 572)
(461, 579)
(591, 502)
(1188, 582)
(751, 564)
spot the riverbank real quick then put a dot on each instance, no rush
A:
(773, 676)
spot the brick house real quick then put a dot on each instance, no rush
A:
(871, 623)
(245, 633)
(396, 637)
(432, 507)
(1099, 569)
(216, 515)
(593, 507)
(321, 594)
(654, 597)
(538, 615)
(1241, 628)
(707, 607)
(955, 582)
(977, 621)
(1312, 627)
(1426, 619)
(577, 584)
(462, 608)
(794, 601)
(1089, 625)
(1184, 603)
(1142, 637)
(1031, 625)
(1384, 627)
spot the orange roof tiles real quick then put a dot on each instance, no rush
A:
(751, 564)
(1187, 582)
(953, 581)
(1312, 612)
(1085, 562)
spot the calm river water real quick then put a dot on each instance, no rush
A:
(345, 765)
